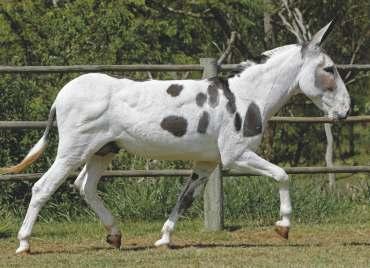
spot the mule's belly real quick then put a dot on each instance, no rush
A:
(203, 149)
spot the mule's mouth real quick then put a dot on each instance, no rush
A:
(336, 116)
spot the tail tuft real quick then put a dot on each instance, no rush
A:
(31, 157)
(36, 150)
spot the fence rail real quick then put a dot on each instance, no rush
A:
(187, 172)
(138, 68)
(363, 67)
(101, 68)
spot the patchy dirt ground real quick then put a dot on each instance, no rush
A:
(83, 245)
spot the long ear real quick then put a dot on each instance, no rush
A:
(321, 35)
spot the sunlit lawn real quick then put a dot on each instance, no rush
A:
(83, 245)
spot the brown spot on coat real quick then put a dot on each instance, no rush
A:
(237, 122)
(176, 125)
(253, 121)
(174, 90)
(200, 99)
(203, 123)
(213, 98)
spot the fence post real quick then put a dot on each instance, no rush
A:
(329, 153)
(213, 192)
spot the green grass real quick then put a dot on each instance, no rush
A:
(82, 245)
(253, 199)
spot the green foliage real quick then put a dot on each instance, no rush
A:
(5, 223)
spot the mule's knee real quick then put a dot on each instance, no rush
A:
(281, 176)
(39, 195)
(36, 188)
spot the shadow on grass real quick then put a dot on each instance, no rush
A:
(4, 235)
(135, 247)
(242, 245)
(172, 247)
(71, 251)
(232, 228)
(367, 244)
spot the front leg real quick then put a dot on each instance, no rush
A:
(251, 162)
(191, 190)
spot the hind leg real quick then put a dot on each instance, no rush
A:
(87, 183)
(192, 188)
(41, 192)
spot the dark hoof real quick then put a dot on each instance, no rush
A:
(282, 231)
(114, 240)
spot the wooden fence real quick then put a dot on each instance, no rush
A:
(213, 195)
(139, 68)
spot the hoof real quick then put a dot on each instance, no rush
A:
(282, 231)
(114, 240)
(23, 251)
(164, 241)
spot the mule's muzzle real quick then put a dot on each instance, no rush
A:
(344, 115)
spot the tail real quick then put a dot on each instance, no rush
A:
(36, 150)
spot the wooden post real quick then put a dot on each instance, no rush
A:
(213, 192)
(214, 202)
(210, 67)
(267, 26)
(329, 153)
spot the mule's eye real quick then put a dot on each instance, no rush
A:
(329, 69)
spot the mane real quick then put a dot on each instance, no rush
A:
(241, 67)
(275, 51)
(262, 59)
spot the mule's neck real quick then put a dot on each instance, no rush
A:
(270, 84)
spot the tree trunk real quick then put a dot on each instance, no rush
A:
(267, 25)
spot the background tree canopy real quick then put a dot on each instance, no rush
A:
(66, 32)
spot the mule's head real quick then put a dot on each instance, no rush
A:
(319, 79)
